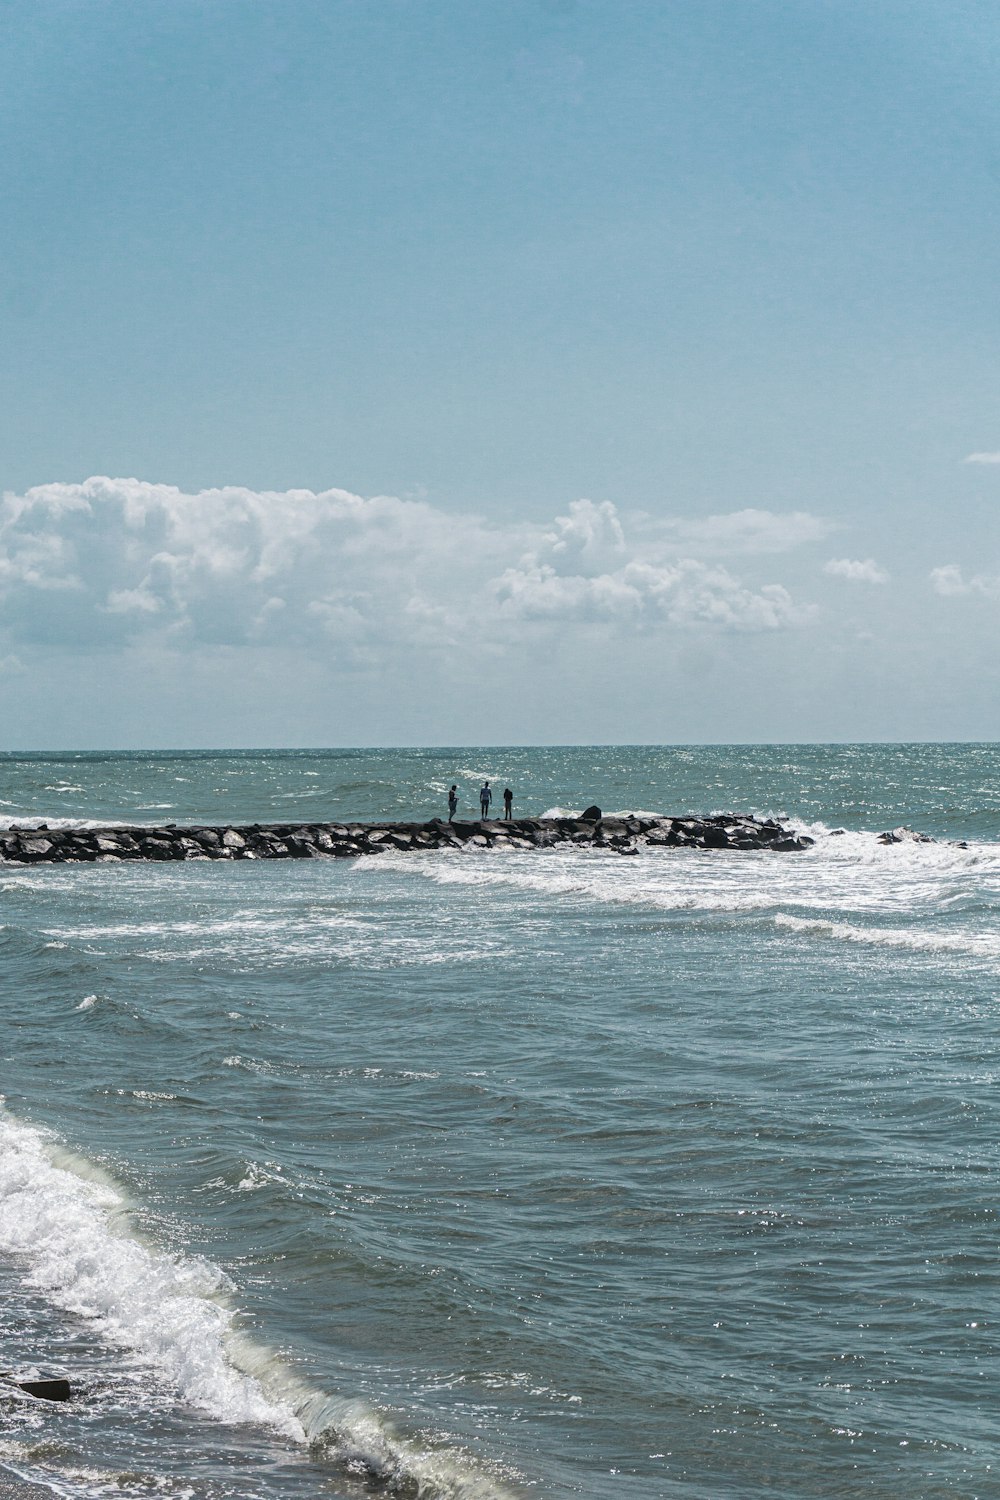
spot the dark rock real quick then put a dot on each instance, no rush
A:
(300, 848)
(34, 849)
(591, 814)
(159, 849)
(904, 836)
(319, 841)
(53, 1389)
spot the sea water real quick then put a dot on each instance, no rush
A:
(479, 1175)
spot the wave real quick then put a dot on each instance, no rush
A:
(914, 940)
(24, 819)
(71, 1227)
(593, 875)
(831, 890)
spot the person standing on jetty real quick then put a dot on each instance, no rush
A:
(452, 803)
(508, 800)
(485, 798)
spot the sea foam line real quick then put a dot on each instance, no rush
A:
(71, 1224)
(72, 1228)
(915, 878)
(983, 945)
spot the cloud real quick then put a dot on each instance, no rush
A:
(982, 458)
(590, 533)
(687, 595)
(116, 562)
(856, 570)
(584, 569)
(951, 583)
(754, 531)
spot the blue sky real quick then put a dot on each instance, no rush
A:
(666, 331)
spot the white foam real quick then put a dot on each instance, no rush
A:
(257, 1177)
(73, 1230)
(908, 896)
(72, 1226)
(30, 821)
(915, 940)
(644, 880)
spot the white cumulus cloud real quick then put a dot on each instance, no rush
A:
(685, 594)
(114, 562)
(856, 570)
(753, 531)
(950, 582)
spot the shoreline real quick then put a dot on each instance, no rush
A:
(347, 840)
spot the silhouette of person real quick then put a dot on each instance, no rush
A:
(508, 798)
(485, 798)
(452, 803)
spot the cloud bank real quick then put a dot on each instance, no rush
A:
(120, 561)
(856, 570)
(950, 582)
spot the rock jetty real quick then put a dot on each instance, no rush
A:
(623, 835)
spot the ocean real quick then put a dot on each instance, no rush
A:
(485, 1175)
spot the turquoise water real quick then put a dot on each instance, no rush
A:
(493, 1174)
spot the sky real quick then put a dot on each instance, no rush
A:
(553, 371)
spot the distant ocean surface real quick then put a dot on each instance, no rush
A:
(481, 1175)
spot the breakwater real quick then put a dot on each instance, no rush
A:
(346, 840)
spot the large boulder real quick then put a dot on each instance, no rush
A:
(904, 836)
(35, 849)
(591, 814)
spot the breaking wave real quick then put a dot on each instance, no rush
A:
(72, 1229)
